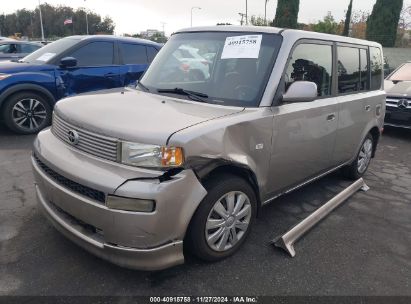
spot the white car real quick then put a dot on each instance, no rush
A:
(192, 62)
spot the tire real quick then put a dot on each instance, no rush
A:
(220, 188)
(360, 165)
(27, 113)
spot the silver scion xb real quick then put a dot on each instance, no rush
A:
(188, 158)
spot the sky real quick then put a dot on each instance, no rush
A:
(133, 16)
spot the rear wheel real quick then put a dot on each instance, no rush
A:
(360, 165)
(224, 218)
(27, 113)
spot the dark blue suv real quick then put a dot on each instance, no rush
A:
(30, 87)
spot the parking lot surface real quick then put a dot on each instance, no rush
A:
(362, 248)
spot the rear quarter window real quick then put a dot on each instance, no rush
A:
(376, 68)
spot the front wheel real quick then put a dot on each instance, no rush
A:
(224, 218)
(360, 165)
(27, 113)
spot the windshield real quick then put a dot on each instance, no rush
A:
(402, 74)
(227, 68)
(48, 52)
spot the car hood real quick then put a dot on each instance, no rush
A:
(137, 116)
(9, 67)
(402, 88)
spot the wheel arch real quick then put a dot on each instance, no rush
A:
(27, 88)
(219, 166)
(376, 134)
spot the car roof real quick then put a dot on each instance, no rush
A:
(293, 34)
(115, 38)
(20, 42)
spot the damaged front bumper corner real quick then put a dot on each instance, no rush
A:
(138, 240)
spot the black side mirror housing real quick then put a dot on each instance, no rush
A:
(68, 62)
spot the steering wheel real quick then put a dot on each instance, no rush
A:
(245, 92)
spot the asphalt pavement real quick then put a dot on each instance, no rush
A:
(362, 248)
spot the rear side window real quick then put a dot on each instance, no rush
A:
(28, 48)
(133, 53)
(376, 68)
(348, 69)
(311, 62)
(151, 53)
(95, 54)
(8, 48)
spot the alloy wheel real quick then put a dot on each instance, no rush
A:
(365, 155)
(29, 114)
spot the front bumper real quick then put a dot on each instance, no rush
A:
(397, 117)
(146, 241)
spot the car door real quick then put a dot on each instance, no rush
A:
(304, 132)
(96, 68)
(355, 102)
(135, 61)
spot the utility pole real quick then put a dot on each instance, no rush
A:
(85, 9)
(41, 23)
(265, 12)
(246, 12)
(163, 24)
(194, 7)
(242, 18)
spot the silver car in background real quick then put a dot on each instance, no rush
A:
(15, 50)
(132, 175)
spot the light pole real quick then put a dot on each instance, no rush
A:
(41, 23)
(86, 19)
(194, 7)
(265, 12)
(246, 12)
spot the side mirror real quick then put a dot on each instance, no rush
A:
(301, 91)
(68, 62)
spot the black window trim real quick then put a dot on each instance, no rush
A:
(121, 57)
(334, 65)
(358, 47)
(82, 43)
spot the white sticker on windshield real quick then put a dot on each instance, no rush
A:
(46, 56)
(247, 46)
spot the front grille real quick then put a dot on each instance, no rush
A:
(89, 142)
(398, 102)
(67, 183)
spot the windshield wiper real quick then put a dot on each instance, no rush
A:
(139, 84)
(197, 96)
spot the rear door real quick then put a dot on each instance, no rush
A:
(357, 104)
(304, 132)
(97, 68)
(135, 60)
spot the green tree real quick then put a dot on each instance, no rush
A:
(286, 15)
(27, 22)
(382, 25)
(257, 21)
(327, 25)
(347, 20)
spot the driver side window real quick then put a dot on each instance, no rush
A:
(311, 62)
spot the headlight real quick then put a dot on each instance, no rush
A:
(4, 76)
(142, 155)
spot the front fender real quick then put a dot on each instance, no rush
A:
(40, 82)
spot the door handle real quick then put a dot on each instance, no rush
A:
(331, 117)
(367, 108)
